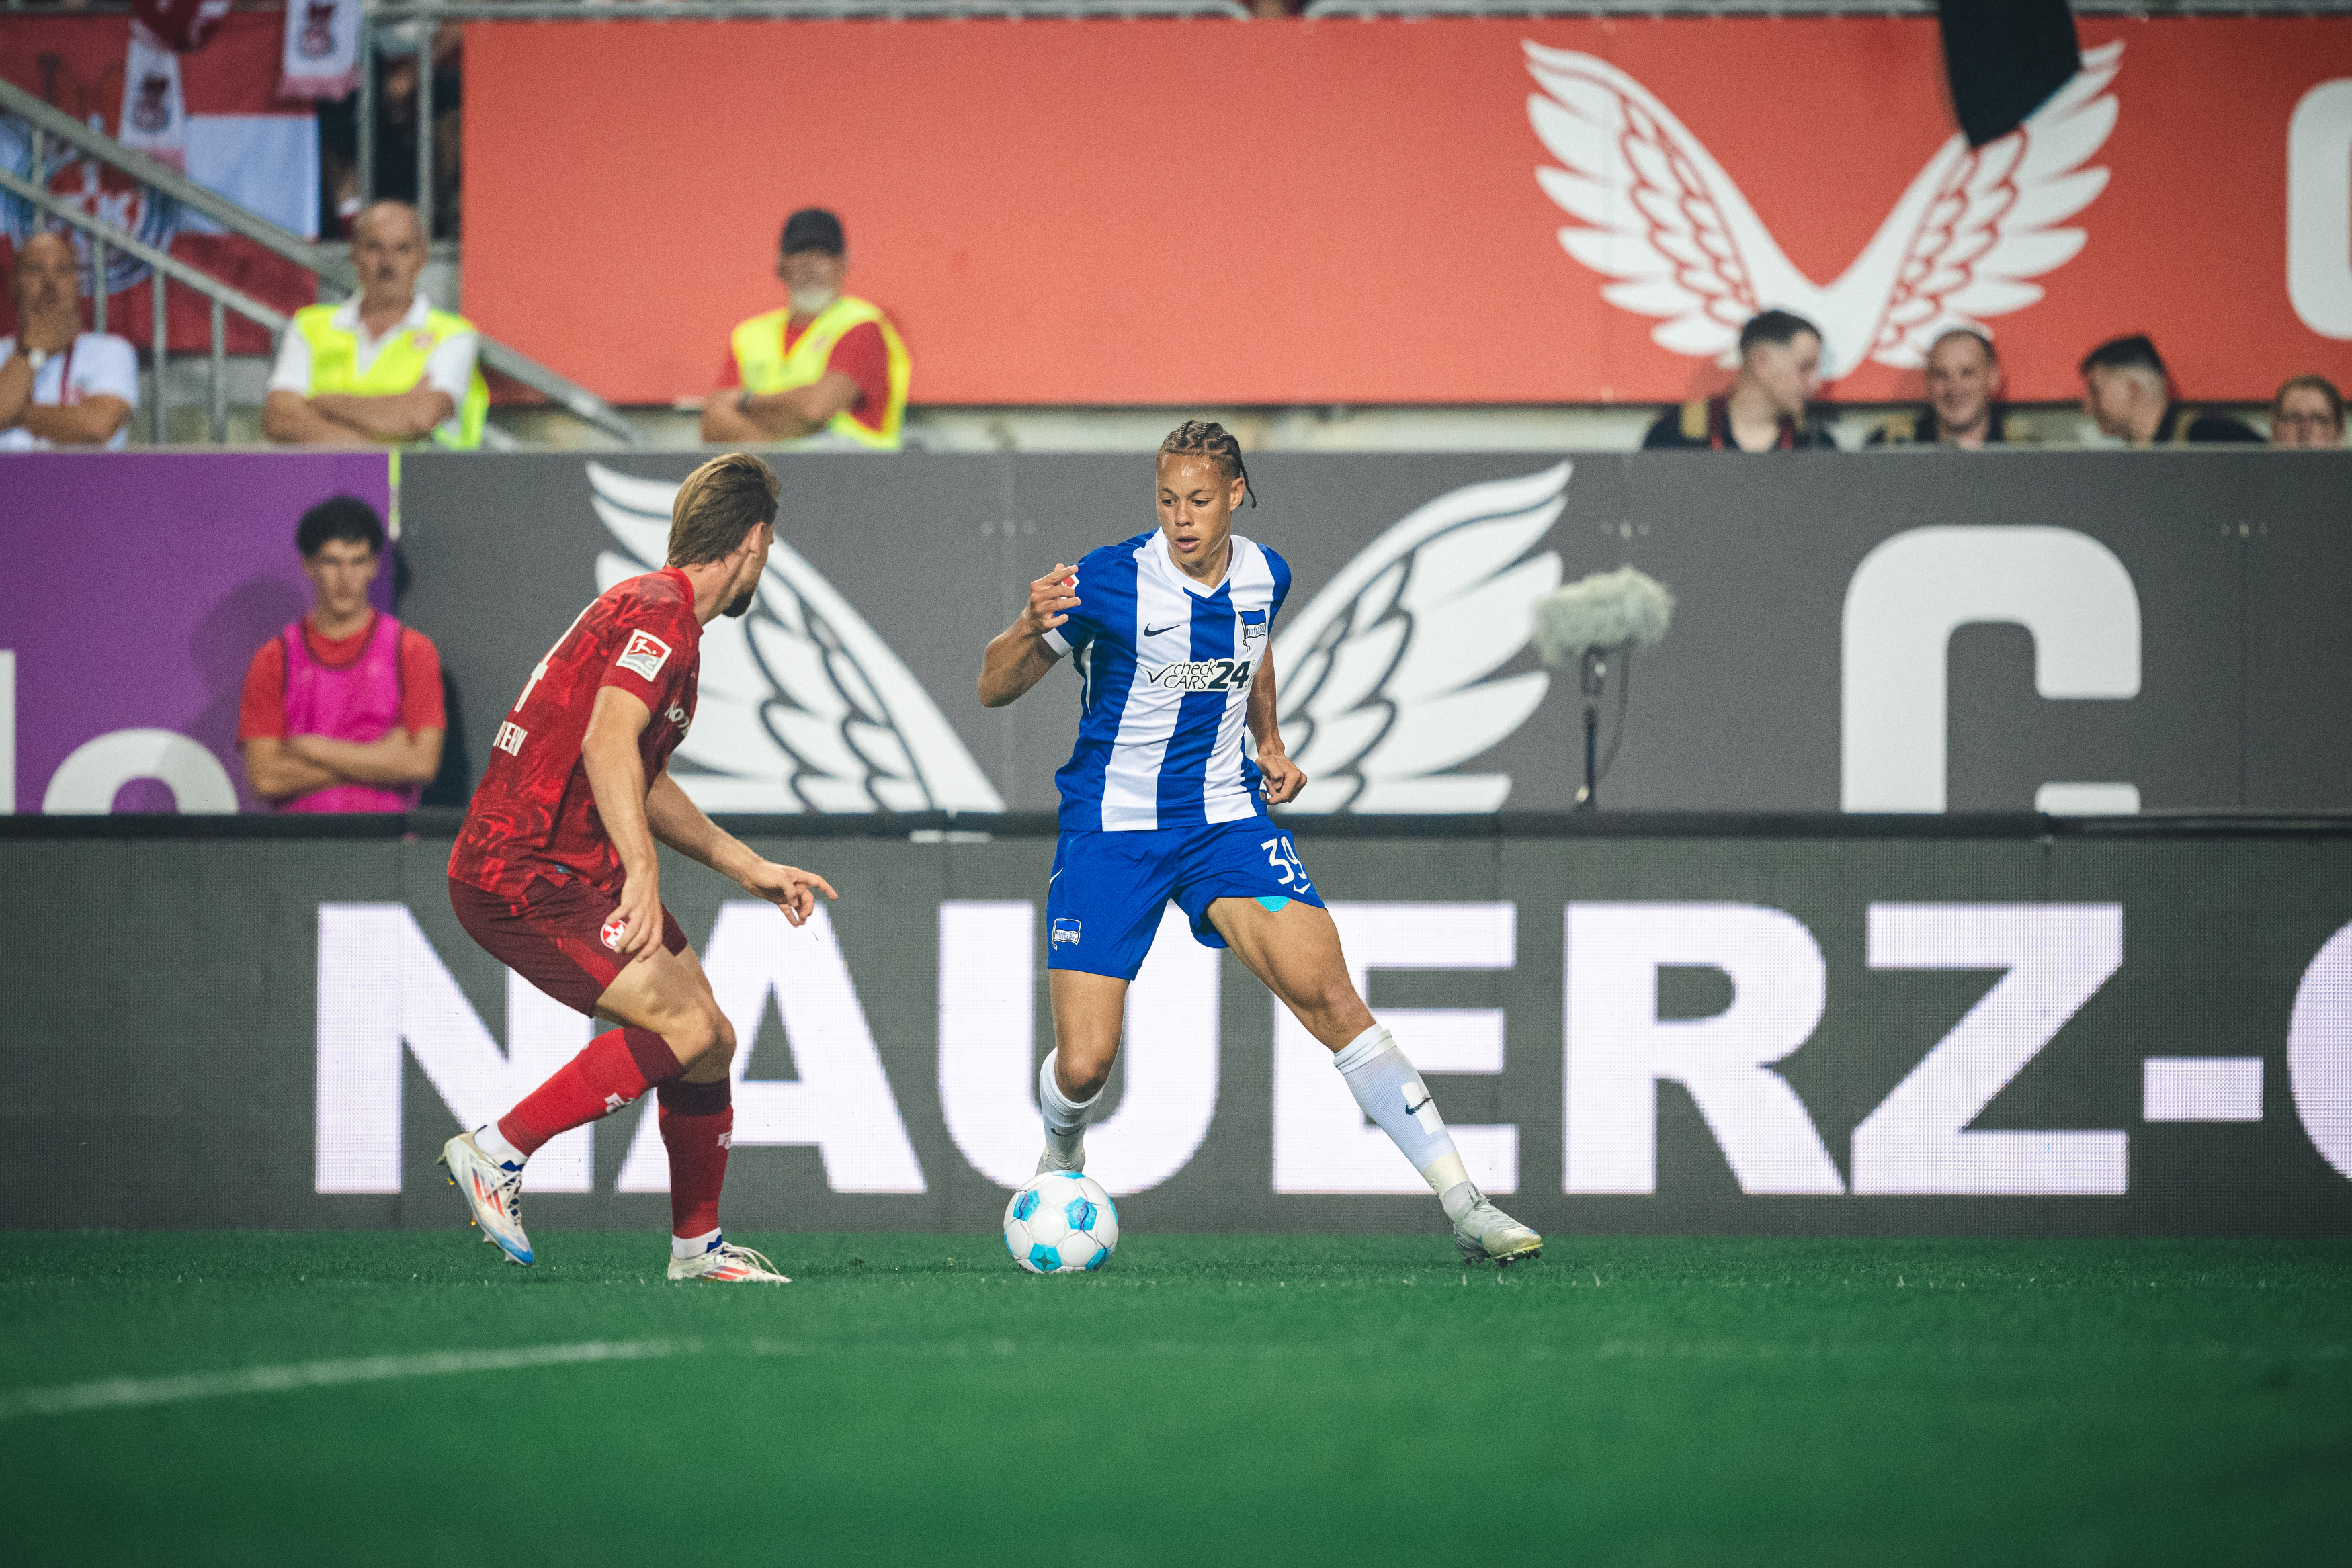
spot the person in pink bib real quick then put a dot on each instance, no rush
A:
(342, 711)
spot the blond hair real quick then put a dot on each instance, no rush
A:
(720, 503)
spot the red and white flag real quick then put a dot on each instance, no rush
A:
(213, 112)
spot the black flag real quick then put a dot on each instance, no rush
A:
(2005, 59)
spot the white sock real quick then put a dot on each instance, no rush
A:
(1393, 1094)
(486, 1139)
(1066, 1119)
(693, 1246)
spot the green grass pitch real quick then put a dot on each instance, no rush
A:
(1203, 1399)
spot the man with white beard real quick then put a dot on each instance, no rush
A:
(830, 364)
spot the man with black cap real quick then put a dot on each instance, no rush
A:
(2129, 396)
(829, 363)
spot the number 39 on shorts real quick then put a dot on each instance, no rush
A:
(1284, 858)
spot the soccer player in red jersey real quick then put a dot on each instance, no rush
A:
(555, 874)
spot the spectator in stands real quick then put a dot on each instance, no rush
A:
(1779, 376)
(342, 711)
(2308, 412)
(831, 362)
(386, 367)
(61, 386)
(1963, 398)
(2127, 395)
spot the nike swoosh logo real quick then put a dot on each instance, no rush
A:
(1156, 630)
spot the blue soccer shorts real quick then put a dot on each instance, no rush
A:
(1103, 901)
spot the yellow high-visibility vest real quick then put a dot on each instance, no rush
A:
(763, 367)
(398, 367)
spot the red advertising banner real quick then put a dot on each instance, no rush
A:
(1459, 212)
(223, 123)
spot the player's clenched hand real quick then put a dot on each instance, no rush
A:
(1050, 599)
(1284, 777)
(789, 888)
(639, 915)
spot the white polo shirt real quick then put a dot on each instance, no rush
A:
(97, 364)
(449, 367)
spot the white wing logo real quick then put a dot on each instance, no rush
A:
(803, 707)
(1382, 679)
(1665, 221)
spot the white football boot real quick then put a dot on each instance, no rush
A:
(1482, 1231)
(493, 1191)
(723, 1262)
(1046, 1162)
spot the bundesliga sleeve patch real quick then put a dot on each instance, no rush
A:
(645, 656)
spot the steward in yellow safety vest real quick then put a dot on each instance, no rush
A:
(792, 352)
(398, 366)
(386, 366)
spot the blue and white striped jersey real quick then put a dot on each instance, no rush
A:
(1165, 666)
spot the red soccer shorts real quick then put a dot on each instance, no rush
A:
(556, 939)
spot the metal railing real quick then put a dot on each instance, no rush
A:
(45, 125)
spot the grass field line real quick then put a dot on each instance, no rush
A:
(129, 1392)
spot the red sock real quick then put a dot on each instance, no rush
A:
(697, 1123)
(611, 1071)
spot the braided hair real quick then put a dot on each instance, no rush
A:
(1206, 438)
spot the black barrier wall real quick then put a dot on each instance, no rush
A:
(1809, 1026)
(1905, 630)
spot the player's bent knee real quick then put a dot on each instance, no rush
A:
(700, 1035)
(1083, 1079)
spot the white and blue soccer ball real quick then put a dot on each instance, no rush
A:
(1062, 1223)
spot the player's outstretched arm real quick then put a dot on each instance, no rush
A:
(1284, 779)
(1017, 657)
(616, 776)
(679, 822)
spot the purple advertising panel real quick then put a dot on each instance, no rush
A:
(135, 589)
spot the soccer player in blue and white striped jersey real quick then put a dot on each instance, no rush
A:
(1165, 796)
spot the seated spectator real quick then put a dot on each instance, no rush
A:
(2127, 395)
(831, 362)
(1963, 398)
(386, 367)
(1779, 376)
(61, 386)
(2308, 412)
(342, 710)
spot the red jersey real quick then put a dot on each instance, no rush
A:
(534, 815)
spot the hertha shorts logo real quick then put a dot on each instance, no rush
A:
(645, 656)
(1065, 931)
